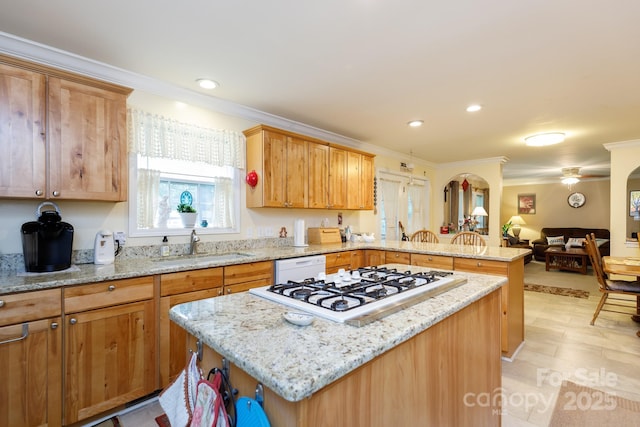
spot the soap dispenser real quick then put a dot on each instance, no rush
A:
(164, 248)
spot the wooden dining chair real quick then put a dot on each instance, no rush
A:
(606, 285)
(470, 238)
(425, 236)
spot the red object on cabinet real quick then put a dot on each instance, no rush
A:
(252, 178)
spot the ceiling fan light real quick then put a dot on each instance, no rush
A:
(416, 123)
(570, 180)
(542, 139)
(473, 108)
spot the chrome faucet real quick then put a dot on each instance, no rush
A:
(194, 242)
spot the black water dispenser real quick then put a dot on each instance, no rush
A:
(47, 242)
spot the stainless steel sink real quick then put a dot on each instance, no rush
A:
(202, 258)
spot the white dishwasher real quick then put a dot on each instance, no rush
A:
(299, 268)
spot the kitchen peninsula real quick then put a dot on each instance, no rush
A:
(425, 365)
(139, 290)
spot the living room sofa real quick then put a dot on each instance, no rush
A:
(542, 244)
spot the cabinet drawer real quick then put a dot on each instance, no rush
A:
(392, 257)
(190, 281)
(253, 271)
(481, 266)
(435, 261)
(105, 294)
(338, 260)
(24, 307)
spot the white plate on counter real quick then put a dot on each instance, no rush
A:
(297, 318)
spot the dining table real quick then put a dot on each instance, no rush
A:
(626, 266)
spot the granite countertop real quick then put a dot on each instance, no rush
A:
(243, 327)
(13, 282)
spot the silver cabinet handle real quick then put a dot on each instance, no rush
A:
(25, 334)
(228, 291)
(111, 288)
(56, 193)
(1, 303)
(39, 192)
(73, 321)
(54, 325)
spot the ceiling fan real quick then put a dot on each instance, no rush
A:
(572, 175)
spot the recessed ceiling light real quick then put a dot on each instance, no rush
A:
(473, 108)
(542, 139)
(416, 123)
(207, 83)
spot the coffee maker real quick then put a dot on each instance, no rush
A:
(47, 242)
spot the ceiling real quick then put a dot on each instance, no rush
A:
(364, 68)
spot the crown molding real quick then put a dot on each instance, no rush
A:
(621, 144)
(474, 162)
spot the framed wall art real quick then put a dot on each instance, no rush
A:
(634, 202)
(526, 204)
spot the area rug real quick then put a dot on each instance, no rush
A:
(567, 292)
(583, 406)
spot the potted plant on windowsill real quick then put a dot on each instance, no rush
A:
(188, 215)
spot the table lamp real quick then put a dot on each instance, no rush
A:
(516, 222)
(478, 211)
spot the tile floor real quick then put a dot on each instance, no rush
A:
(559, 343)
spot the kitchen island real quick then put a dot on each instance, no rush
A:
(429, 364)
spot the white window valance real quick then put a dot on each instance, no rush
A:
(159, 137)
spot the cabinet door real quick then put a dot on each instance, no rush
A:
(31, 378)
(274, 179)
(374, 257)
(337, 178)
(357, 259)
(353, 181)
(297, 179)
(110, 358)
(22, 126)
(173, 338)
(366, 182)
(87, 141)
(318, 176)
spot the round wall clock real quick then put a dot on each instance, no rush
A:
(576, 200)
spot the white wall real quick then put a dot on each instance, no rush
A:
(625, 158)
(488, 169)
(88, 218)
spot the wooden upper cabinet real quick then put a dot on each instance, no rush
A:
(281, 162)
(22, 126)
(80, 121)
(318, 175)
(87, 142)
(297, 177)
(359, 181)
(295, 171)
(337, 178)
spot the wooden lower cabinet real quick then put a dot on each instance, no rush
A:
(373, 257)
(337, 260)
(110, 346)
(430, 379)
(242, 277)
(433, 261)
(396, 257)
(31, 354)
(512, 296)
(178, 288)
